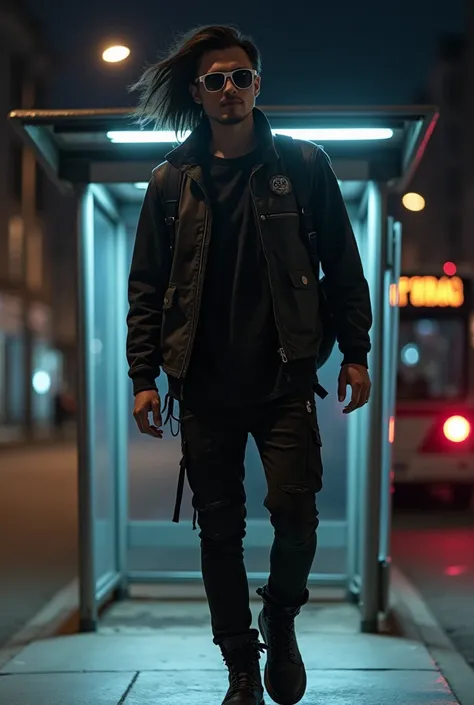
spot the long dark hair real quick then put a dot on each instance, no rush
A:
(165, 98)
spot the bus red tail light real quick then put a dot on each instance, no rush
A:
(457, 429)
(449, 434)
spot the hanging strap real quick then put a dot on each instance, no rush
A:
(168, 408)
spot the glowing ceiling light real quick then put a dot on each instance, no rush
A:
(141, 185)
(340, 134)
(145, 136)
(413, 202)
(114, 54)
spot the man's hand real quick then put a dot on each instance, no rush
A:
(357, 377)
(145, 403)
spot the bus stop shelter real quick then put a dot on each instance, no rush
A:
(126, 481)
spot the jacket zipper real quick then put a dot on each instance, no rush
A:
(281, 350)
(197, 305)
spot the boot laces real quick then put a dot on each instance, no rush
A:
(281, 633)
(244, 671)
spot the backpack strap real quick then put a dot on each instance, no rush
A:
(171, 195)
(298, 172)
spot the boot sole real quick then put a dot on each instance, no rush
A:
(267, 683)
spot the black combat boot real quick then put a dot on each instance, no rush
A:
(242, 656)
(285, 675)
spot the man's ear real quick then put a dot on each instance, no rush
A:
(257, 86)
(194, 90)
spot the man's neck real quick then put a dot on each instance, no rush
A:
(233, 141)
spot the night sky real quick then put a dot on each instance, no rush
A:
(335, 52)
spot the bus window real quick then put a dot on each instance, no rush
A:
(432, 359)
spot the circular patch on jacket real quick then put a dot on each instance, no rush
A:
(280, 185)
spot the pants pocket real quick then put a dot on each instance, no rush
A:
(314, 464)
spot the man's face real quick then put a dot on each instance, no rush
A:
(230, 104)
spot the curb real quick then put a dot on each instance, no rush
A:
(50, 621)
(417, 622)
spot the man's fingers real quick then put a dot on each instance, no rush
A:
(365, 396)
(154, 431)
(144, 426)
(141, 418)
(355, 398)
(148, 403)
(138, 420)
(355, 376)
(157, 420)
(342, 387)
(360, 397)
(149, 429)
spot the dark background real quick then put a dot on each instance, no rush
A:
(337, 52)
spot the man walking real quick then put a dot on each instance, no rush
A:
(225, 298)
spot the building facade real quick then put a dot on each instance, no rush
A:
(443, 230)
(30, 366)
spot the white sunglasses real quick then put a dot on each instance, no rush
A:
(215, 81)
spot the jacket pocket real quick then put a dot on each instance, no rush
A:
(303, 278)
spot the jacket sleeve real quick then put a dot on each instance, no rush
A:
(147, 283)
(346, 287)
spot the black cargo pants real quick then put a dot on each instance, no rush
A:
(287, 436)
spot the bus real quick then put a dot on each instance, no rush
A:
(433, 443)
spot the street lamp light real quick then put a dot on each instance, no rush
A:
(116, 53)
(413, 202)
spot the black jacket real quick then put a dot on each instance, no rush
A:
(165, 295)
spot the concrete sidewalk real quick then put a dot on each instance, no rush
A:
(161, 653)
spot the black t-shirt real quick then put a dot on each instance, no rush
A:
(235, 356)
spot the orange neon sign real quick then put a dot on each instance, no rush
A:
(429, 292)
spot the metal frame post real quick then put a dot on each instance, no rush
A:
(356, 451)
(390, 342)
(121, 412)
(88, 609)
(372, 481)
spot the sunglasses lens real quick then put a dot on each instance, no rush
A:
(214, 82)
(243, 78)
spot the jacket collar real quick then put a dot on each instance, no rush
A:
(191, 151)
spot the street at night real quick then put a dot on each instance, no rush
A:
(38, 524)
(435, 551)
